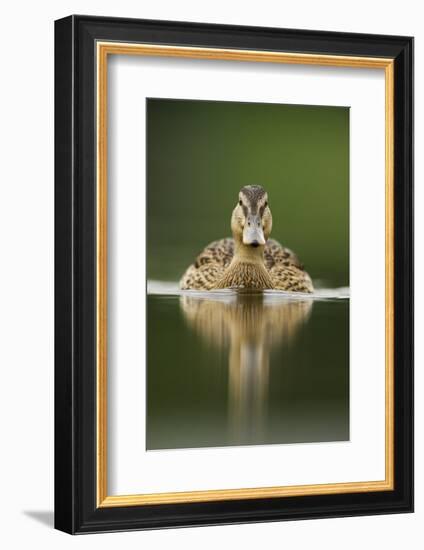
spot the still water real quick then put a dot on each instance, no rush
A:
(227, 368)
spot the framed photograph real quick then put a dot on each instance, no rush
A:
(234, 274)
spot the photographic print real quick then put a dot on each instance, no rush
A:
(248, 274)
(234, 275)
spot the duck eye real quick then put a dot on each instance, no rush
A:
(266, 204)
(240, 203)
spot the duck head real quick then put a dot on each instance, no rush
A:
(251, 222)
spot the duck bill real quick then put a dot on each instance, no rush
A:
(253, 234)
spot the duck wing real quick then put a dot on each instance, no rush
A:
(285, 268)
(277, 255)
(209, 266)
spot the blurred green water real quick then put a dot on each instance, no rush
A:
(200, 153)
(246, 371)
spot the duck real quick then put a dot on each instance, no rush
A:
(250, 260)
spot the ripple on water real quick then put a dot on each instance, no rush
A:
(171, 288)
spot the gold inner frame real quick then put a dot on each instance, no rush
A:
(104, 49)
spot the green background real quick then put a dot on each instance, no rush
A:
(200, 153)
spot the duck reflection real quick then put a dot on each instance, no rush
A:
(247, 326)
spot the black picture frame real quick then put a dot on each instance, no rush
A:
(76, 510)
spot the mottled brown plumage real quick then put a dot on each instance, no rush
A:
(250, 259)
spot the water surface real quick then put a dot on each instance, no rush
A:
(227, 368)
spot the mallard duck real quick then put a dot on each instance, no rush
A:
(250, 260)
